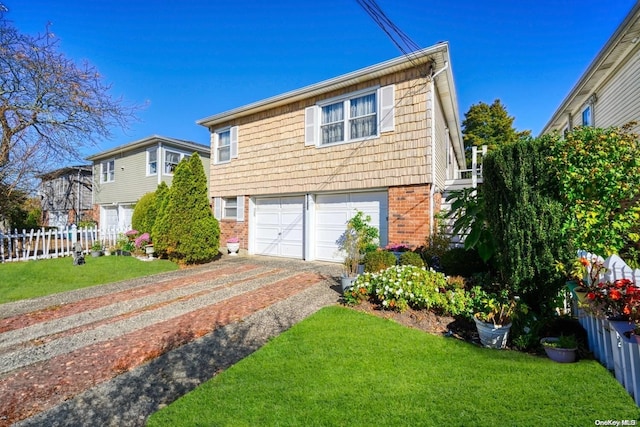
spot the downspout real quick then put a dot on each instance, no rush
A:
(430, 103)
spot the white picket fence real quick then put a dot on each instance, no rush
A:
(52, 243)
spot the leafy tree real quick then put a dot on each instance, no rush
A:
(599, 174)
(161, 224)
(187, 230)
(488, 125)
(50, 107)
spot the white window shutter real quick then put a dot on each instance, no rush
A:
(234, 142)
(387, 107)
(217, 207)
(215, 147)
(240, 208)
(310, 125)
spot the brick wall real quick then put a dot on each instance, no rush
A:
(232, 228)
(409, 214)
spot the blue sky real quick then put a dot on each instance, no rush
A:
(192, 59)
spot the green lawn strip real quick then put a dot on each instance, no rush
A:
(342, 367)
(30, 279)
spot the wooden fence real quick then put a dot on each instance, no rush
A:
(52, 243)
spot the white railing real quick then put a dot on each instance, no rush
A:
(52, 243)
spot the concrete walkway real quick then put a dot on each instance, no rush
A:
(114, 354)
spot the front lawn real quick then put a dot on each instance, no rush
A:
(30, 279)
(341, 367)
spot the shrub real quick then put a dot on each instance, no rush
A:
(399, 287)
(144, 214)
(525, 215)
(378, 260)
(411, 258)
(462, 262)
(599, 174)
(187, 230)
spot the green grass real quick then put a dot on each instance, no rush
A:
(345, 368)
(30, 279)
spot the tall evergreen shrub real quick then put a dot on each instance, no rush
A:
(525, 216)
(187, 231)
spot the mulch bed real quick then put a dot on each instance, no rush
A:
(426, 321)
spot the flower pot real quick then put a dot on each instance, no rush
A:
(558, 354)
(346, 282)
(233, 248)
(96, 254)
(492, 336)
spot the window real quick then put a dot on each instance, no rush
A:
(586, 116)
(224, 146)
(152, 161)
(107, 171)
(358, 115)
(230, 207)
(353, 117)
(171, 160)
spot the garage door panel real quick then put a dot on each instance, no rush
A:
(334, 210)
(279, 226)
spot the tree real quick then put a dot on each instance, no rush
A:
(187, 230)
(50, 107)
(488, 125)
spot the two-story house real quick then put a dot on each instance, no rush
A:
(65, 195)
(608, 93)
(289, 171)
(124, 174)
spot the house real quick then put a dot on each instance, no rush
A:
(124, 174)
(608, 93)
(65, 195)
(289, 171)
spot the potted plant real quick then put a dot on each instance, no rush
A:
(233, 246)
(359, 238)
(493, 320)
(561, 349)
(96, 248)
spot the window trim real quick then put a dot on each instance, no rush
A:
(109, 173)
(346, 119)
(225, 202)
(149, 151)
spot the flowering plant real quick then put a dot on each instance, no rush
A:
(131, 233)
(142, 241)
(397, 247)
(614, 299)
(233, 240)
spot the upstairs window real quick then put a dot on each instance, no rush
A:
(226, 144)
(107, 171)
(353, 117)
(587, 120)
(171, 160)
(357, 115)
(152, 161)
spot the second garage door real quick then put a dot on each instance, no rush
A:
(279, 226)
(334, 210)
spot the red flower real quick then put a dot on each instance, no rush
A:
(615, 294)
(584, 261)
(591, 295)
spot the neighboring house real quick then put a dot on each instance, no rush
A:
(289, 171)
(124, 174)
(65, 196)
(608, 93)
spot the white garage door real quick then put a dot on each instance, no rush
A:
(334, 210)
(279, 226)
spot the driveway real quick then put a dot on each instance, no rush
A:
(114, 354)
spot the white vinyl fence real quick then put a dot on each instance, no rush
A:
(52, 243)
